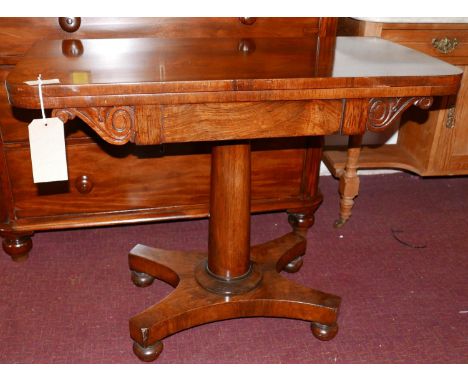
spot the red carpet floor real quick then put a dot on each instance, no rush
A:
(71, 301)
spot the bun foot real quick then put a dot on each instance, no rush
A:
(148, 354)
(301, 222)
(18, 247)
(294, 265)
(141, 279)
(324, 332)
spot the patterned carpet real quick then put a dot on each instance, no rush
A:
(400, 266)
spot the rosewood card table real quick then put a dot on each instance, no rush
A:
(152, 91)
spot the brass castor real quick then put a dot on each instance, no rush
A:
(324, 332)
(339, 223)
(294, 265)
(149, 353)
(141, 279)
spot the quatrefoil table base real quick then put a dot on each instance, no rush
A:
(234, 280)
(191, 304)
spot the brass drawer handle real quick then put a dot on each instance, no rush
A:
(450, 121)
(445, 45)
(70, 24)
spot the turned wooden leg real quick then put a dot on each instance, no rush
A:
(349, 180)
(301, 221)
(17, 245)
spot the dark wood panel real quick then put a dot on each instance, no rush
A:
(144, 180)
(18, 34)
(6, 202)
(166, 213)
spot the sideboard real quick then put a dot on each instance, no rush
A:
(430, 142)
(172, 182)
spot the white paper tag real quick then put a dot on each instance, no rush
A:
(48, 155)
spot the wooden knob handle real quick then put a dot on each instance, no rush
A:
(247, 20)
(72, 48)
(70, 24)
(246, 46)
(84, 184)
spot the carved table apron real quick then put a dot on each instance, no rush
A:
(234, 279)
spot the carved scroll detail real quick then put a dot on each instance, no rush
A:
(384, 111)
(114, 124)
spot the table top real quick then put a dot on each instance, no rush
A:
(145, 66)
(415, 20)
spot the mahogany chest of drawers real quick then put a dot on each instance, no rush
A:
(105, 185)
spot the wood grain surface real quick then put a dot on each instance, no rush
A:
(129, 70)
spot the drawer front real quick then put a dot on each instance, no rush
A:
(249, 120)
(450, 45)
(108, 178)
(18, 34)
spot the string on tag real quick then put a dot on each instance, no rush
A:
(39, 86)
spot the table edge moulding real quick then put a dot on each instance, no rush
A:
(350, 90)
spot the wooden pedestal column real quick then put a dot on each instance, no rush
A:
(229, 256)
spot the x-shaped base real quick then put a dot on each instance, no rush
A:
(192, 304)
